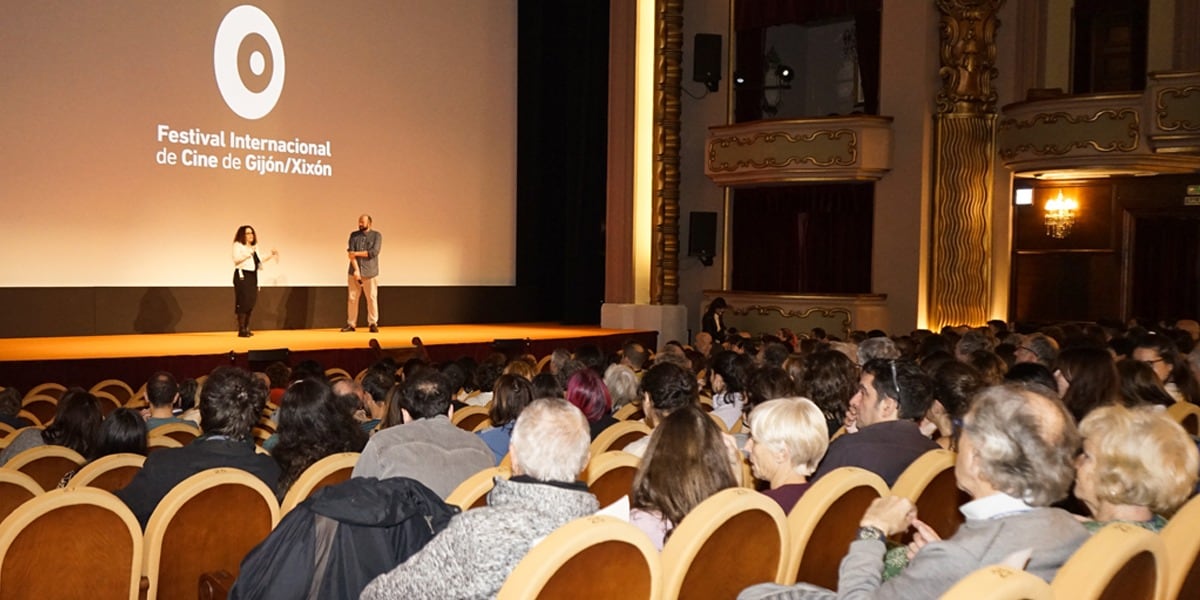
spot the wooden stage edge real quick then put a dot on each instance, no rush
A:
(85, 360)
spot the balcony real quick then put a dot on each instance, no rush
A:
(853, 148)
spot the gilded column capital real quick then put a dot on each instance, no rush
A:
(968, 53)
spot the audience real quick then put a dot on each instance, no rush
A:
(1163, 356)
(122, 432)
(622, 384)
(665, 389)
(1086, 378)
(313, 424)
(427, 447)
(10, 406)
(473, 556)
(163, 395)
(953, 385)
(231, 401)
(829, 379)
(1140, 385)
(1014, 459)
(727, 380)
(510, 395)
(587, 392)
(788, 438)
(1137, 466)
(76, 425)
(687, 460)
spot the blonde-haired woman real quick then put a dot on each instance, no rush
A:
(788, 438)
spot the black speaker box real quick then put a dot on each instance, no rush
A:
(702, 236)
(706, 59)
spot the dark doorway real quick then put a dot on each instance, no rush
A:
(1165, 267)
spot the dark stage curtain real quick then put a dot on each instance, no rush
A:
(752, 17)
(803, 238)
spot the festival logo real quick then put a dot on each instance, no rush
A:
(248, 62)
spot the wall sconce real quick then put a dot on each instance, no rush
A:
(1060, 216)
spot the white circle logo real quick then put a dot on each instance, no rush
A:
(248, 62)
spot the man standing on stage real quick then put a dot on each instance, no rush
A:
(363, 252)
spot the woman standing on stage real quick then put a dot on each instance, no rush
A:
(246, 264)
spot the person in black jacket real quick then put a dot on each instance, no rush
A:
(712, 322)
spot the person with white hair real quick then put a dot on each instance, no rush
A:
(788, 439)
(473, 556)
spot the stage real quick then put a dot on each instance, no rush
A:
(85, 360)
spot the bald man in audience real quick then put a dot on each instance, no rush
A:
(1014, 459)
(473, 556)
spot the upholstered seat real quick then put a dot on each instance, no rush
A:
(472, 492)
(332, 469)
(109, 473)
(610, 475)
(929, 482)
(46, 464)
(1120, 562)
(824, 522)
(1000, 583)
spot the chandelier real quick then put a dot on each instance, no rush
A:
(1060, 216)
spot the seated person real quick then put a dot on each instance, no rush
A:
(163, 395)
(892, 396)
(427, 446)
(122, 432)
(788, 437)
(313, 424)
(1014, 459)
(1137, 466)
(665, 389)
(473, 556)
(76, 426)
(587, 392)
(687, 461)
(510, 395)
(230, 404)
(10, 407)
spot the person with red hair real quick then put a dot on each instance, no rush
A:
(587, 392)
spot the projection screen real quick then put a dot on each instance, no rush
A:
(138, 136)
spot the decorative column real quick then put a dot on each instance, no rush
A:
(668, 69)
(965, 138)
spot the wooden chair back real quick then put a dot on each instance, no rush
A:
(32, 418)
(46, 464)
(51, 389)
(1120, 562)
(207, 523)
(1187, 415)
(735, 538)
(44, 408)
(6, 430)
(996, 582)
(335, 373)
(16, 488)
(630, 412)
(473, 492)
(825, 521)
(116, 388)
(183, 433)
(469, 417)
(109, 473)
(155, 443)
(929, 482)
(108, 402)
(81, 543)
(332, 469)
(1183, 549)
(592, 558)
(610, 475)
(617, 436)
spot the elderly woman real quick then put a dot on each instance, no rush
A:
(1014, 459)
(1137, 466)
(622, 384)
(788, 438)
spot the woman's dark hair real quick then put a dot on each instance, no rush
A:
(732, 368)
(231, 401)
(10, 402)
(1140, 384)
(312, 425)
(990, 366)
(830, 379)
(76, 423)
(767, 383)
(1092, 377)
(953, 385)
(392, 415)
(123, 430)
(686, 462)
(545, 385)
(240, 235)
(188, 391)
(510, 395)
(1034, 373)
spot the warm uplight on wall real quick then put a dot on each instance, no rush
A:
(1060, 216)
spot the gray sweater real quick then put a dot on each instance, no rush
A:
(473, 556)
(1052, 533)
(432, 451)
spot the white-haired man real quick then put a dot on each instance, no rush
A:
(473, 556)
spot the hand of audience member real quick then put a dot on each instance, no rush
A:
(850, 421)
(360, 415)
(890, 514)
(924, 535)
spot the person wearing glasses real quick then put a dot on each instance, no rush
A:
(893, 395)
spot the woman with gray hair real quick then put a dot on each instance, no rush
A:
(788, 438)
(622, 385)
(1014, 459)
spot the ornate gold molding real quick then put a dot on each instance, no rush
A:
(968, 53)
(668, 70)
(1062, 146)
(843, 154)
(828, 313)
(1162, 109)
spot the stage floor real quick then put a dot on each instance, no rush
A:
(220, 342)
